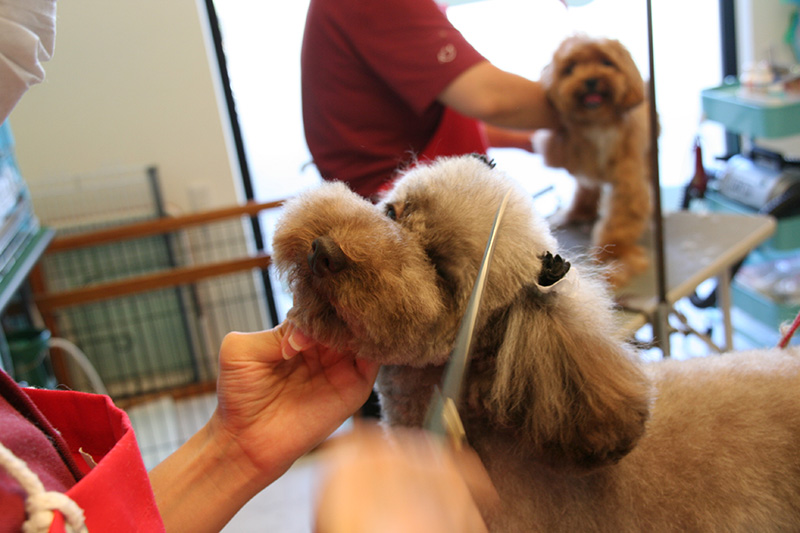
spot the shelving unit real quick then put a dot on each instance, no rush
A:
(13, 280)
(22, 240)
(766, 116)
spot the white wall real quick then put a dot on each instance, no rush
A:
(761, 26)
(130, 84)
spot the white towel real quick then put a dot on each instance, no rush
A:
(27, 38)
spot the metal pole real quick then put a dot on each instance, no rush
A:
(661, 318)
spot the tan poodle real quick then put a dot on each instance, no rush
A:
(576, 433)
(604, 143)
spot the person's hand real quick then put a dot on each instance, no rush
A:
(281, 394)
(400, 481)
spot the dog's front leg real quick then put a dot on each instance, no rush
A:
(624, 216)
(552, 144)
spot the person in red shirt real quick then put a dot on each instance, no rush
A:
(386, 83)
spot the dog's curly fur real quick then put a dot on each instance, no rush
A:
(604, 143)
(577, 434)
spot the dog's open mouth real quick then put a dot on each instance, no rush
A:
(593, 100)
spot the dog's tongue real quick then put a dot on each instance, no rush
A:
(593, 99)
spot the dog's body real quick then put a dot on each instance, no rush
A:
(604, 143)
(719, 454)
(576, 433)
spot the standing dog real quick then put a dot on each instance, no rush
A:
(576, 433)
(604, 143)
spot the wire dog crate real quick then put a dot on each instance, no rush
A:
(146, 296)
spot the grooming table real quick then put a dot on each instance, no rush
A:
(698, 246)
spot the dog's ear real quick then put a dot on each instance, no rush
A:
(550, 71)
(622, 58)
(574, 393)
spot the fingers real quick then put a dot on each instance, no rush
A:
(286, 341)
(407, 481)
(293, 341)
(476, 477)
(281, 342)
(263, 345)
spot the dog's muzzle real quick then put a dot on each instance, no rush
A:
(592, 96)
(326, 258)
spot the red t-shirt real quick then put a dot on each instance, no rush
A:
(371, 73)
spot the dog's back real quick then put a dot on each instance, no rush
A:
(721, 452)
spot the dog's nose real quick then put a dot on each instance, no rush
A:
(326, 258)
(591, 84)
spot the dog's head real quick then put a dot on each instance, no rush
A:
(592, 80)
(392, 281)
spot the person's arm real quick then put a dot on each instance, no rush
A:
(271, 411)
(499, 98)
(508, 138)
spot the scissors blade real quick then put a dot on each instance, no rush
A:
(442, 416)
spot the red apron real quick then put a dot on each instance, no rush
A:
(455, 135)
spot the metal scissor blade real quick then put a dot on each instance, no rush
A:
(441, 418)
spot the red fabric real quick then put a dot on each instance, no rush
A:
(371, 74)
(46, 429)
(26, 432)
(456, 135)
(116, 494)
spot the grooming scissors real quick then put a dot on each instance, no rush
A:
(442, 418)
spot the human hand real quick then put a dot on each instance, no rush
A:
(404, 480)
(280, 394)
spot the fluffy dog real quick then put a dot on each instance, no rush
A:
(604, 143)
(576, 433)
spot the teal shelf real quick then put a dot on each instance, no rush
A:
(762, 308)
(787, 232)
(33, 250)
(766, 116)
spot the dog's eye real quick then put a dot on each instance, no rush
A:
(568, 69)
(391, 212)
(608, 63)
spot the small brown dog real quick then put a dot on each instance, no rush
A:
(576, 433)
(604, 143)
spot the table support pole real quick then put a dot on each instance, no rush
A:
(724, 295)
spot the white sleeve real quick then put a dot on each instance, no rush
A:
(27, 37)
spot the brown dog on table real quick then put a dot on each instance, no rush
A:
(604, 143)
(575, 431)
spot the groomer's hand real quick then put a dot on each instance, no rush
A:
(279, 395)
(401, 481)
